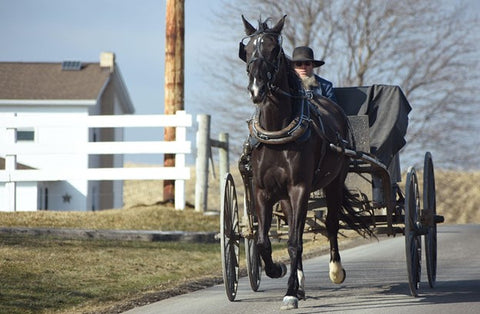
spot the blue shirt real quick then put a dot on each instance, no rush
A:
(324, 88)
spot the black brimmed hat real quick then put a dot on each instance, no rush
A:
(304, 53)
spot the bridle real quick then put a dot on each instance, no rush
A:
(273, 67)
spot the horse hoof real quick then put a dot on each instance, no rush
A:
(301, 295)
(289, 303)
(337, 273)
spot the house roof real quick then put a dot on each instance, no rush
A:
(24, 81)
(19, 80)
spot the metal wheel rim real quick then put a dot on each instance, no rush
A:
(429, 203)
(229, 238)
(413, 244)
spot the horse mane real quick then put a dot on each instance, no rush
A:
(263, 26)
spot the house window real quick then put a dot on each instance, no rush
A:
(26, 135)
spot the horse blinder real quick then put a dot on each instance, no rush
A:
(242, 54)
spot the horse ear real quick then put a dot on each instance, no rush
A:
(249, 29)
(278, 28)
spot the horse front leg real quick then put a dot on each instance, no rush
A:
(334, 202)
(296, 223)
(264, 246)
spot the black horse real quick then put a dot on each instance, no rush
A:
(291, 155)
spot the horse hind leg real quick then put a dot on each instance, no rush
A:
(337, 273)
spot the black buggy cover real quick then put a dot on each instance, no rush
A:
(387, 109)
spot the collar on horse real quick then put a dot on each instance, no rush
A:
(293, 132)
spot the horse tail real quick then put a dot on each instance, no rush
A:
(352, 216)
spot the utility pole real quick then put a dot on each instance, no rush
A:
(174, 78)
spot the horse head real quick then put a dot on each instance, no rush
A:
(262, 54)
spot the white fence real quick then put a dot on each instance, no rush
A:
(10, 175)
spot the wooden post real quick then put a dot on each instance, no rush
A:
(174, 79)
(204, 147)
(223, 158)
(203, 152)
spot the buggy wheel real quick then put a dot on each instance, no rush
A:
(429, 212)
(413, 244)
(230, 237)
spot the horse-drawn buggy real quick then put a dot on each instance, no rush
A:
(307, 156)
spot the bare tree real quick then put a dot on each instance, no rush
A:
(430, 50)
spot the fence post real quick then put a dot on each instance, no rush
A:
(201, 164)
(223, 157)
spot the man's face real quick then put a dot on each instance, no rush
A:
(303, 68)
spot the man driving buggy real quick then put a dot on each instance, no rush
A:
(304, 62)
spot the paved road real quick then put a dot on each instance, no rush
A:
(376, 283)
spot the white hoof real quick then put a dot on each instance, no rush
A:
(337, 273)
(289, 303)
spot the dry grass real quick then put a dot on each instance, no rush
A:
(151, 192)
(155, 217)
(44, 275)
(458, 196)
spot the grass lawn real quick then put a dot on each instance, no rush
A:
(44, 274)
(52, 275)
(41, 274)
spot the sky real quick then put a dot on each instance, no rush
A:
(58, 30)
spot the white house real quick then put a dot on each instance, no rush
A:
(67, 88)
